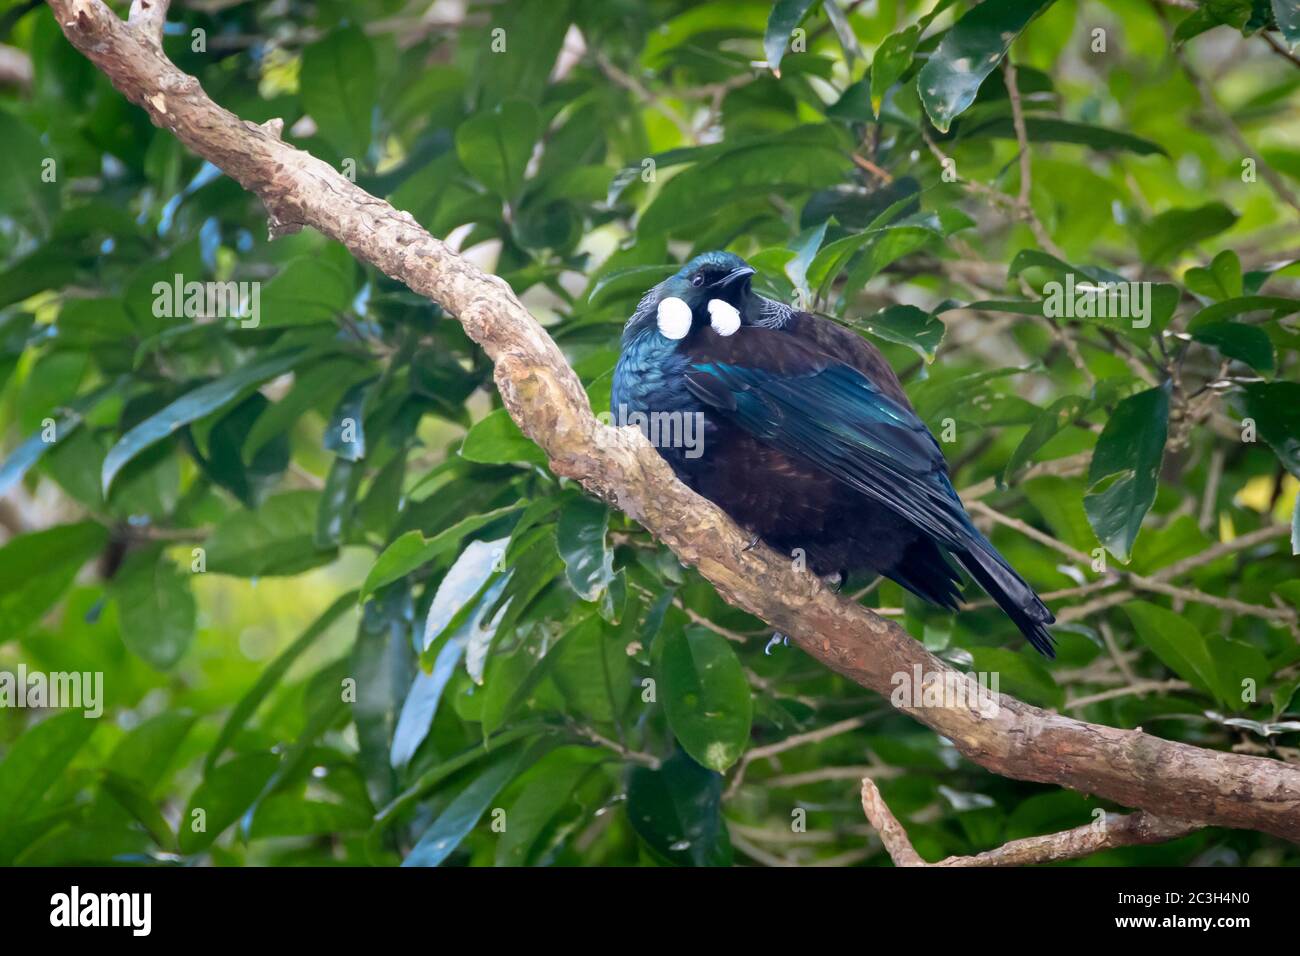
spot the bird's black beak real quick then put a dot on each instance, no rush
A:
(735, 277)
(734, 286)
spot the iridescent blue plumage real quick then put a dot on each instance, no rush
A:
(809, 440)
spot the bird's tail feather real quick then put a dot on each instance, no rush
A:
(1016, 598)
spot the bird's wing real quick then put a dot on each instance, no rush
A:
(815, 407)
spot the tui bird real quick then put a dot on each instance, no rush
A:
(805, 438)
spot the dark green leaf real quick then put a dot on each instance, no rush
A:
(580, 538)
(677, 810)
(1162, 237)
(455, 822)
(194, 405)
(968, 53)
(495, 146)
(706, 695)
(339, 90)
(1125, 469)
(156, 608)
(785, 16)
(1246, 343)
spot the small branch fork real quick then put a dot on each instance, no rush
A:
(1111, 831)
(147, 18)
(546, 399)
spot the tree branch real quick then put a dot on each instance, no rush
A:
(149, 17)
(546, 399)
(1134, 829)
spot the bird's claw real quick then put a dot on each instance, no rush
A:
(753, 543)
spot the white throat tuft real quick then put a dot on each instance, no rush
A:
(674, 318)
(723, 316)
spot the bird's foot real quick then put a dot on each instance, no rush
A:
(778, 639)
(753, 543)
(834, 581)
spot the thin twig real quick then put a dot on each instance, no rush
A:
(1112, 830)
(1139, 688)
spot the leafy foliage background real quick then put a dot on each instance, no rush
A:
(404, 629)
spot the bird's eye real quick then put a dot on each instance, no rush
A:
(698, 279)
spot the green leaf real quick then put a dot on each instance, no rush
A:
(129, 796)
(1052, 420)
(442, 837)
(334, 516)
(319, 386)
(968, 53)
(706, 695)
(631, 282)
(462, 582)
(145, 754)
(496, 440)
(1295, 527)
(1041, 129)
(272, 675)
(906, 325)
(192, 406)
(30, 451)
(539, 28)
(805, 158)
(276, 539)
(1245, 343)
(494, 147)
(305, 291)
(23, 193)
(1287, 15)
(549, 791)
(580, 537)
(339, 88)
(785, 16)
(1231, 308)
(156, 608)
(893, 57)
(1275, 407)
(1176, 641)
(37, 567)
(460, 610)
(677, 811)
(412, 550)
(1162, 237)
(1125, 469)
(1222, 280)
(221, 799)
(37, 760)
(1237, 668)
(1020, 675)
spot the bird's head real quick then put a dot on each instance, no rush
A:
(713, 288)
(712, 275)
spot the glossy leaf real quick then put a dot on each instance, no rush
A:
(1125, 469)
(968, 53)
(677, 811)
(785, 16)
(580, 537)
(706, 695)
(194, 405)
